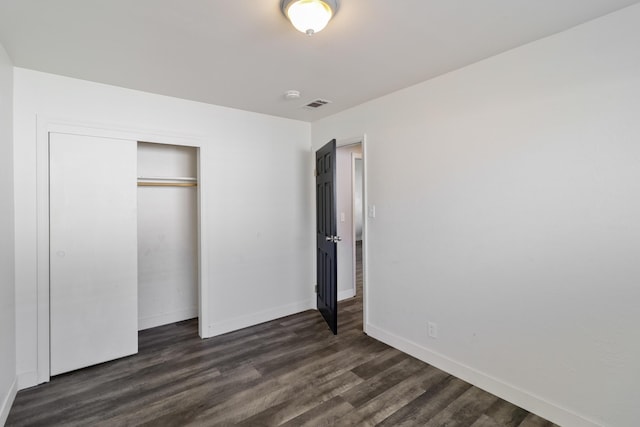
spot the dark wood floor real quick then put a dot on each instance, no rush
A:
(290, 371)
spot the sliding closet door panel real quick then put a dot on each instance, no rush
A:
(93, 250)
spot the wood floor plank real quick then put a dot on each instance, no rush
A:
(428, 404)
(465, 410)
(385, 404)
(505, 414)
(383, 361)
(383, 381)
(485, 421)
(329, 413)
(312, 396)
(533, 420)
(291, 371)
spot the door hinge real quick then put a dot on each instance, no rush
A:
(315, 172)
(316, 289)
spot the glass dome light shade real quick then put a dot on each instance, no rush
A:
(309, 16)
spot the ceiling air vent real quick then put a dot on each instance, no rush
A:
(315, 104)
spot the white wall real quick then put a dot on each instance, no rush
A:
(344, 208)
(255, 177)
(7, 278)
(514, 223)
(167, 237)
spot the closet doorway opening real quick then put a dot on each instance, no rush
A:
(168, 279)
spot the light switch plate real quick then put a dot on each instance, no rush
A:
(372, 211)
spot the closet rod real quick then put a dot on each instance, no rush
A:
(167, 184)
(167, 178)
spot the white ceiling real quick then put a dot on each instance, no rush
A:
(244, 54)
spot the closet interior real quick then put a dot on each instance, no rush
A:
(167, 234)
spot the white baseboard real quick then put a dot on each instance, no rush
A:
(349, 293)
(508, 392)
(241, 322)
(8, 401)
(166, 318)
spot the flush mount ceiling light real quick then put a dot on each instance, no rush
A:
(309, 16)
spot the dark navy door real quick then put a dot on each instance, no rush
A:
(327, 272)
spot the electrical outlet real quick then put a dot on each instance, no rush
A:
(432, 329)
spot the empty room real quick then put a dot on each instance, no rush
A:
(320, 212)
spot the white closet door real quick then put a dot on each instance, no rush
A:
(93, 247)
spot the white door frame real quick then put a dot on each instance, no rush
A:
(46, 125)
(365, 299)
